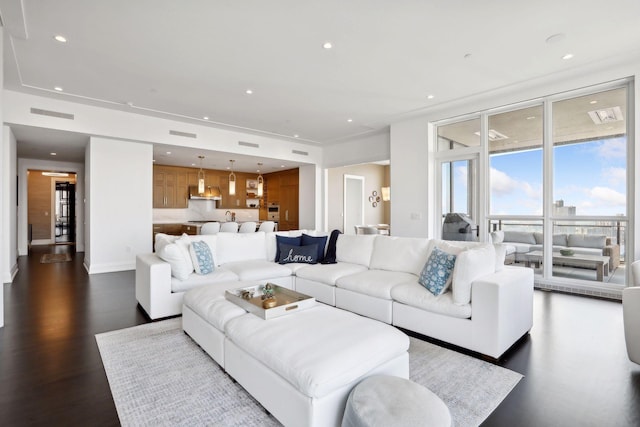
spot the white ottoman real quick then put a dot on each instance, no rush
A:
(301, 367)
(383, 400)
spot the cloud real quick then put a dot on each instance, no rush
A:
(607, 196)
(461, 175)
(615, 176)
(502, 185)
(612, 148)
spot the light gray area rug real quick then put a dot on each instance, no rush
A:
(160, 377)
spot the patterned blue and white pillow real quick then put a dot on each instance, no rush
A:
(201, 257)
(437, 271)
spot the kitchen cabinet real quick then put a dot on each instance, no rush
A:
(170, 189)
(173, 229)
(283, 189)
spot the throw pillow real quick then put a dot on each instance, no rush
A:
(302, 254)
(321, 241)
(295, 241)
(201, 257)
(177, 255)
(436, 272)
(330, 256)
(470, 265)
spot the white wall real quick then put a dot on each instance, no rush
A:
(110, 123)
(9, 206)
(374, 179)
(120, 217)
(309, 200)
(24, 165)
(411, 178)
(363, 149)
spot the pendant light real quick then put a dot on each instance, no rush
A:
(201, 177)
(260, 182)
(232, 181)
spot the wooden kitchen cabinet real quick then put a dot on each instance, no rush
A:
(283, 190)
(170, 189)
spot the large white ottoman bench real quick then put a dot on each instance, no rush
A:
(301, 367)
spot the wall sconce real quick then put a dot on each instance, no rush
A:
(386, 193)
(232, 181)
(374, 199)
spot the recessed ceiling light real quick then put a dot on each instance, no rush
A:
(58, 88)
(61, 39)
(327, 45)
(193, 164)
(154, 160)
(568, 56)
(593, 102)
(281, 166)
(296, 136)
(430, 96)
(169, 152)
(249, 91)
(349, 120)
(531, 117)
(54, 154)
(467, 56)
(206, 117)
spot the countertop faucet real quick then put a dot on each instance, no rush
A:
(228, 214)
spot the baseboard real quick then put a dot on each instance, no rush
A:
(109, 267)
(8, 276)
(42, 242)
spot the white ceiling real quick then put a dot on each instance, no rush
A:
(197, 58)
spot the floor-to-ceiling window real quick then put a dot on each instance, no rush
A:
(555, 168)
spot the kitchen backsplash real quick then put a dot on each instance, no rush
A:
(201, 210)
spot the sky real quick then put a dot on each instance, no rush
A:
(590, 176)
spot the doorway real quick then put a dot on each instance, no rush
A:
(65, 215)
(353, 203)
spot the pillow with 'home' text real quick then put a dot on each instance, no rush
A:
(300, 254)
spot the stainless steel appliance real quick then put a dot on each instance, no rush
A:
(273, 212)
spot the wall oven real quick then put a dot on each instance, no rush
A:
(273, 212)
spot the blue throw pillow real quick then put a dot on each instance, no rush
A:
(321, 241)
(201, 257)
(304, 254)
(294, 241)
(437, 271)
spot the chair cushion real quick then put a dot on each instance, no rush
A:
(177, 255)
(519, 237)
(471, 264)
(586, 241)
(329, 273)
(406, 254)
(415, 295)
(354, 249)
(221, 274)
(376, 283)
(210, 304)
(257, 269)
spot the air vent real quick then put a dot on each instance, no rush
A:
(52, 113)
(185, 134)
(302, 153)
(494, 135)
(606, 115)
(249, 144)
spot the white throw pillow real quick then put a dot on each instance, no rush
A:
(406, 254)
(177, 255)
(497, 236)
(355, 249)
(470, 265)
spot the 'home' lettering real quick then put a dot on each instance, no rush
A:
(297, 258)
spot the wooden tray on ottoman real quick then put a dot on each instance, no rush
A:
(286, 300)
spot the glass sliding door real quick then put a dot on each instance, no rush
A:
(590, 183)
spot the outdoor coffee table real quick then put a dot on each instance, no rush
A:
(601, 263)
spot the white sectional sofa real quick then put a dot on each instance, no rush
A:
(487, 309)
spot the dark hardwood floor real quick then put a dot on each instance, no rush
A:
(574, 361)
